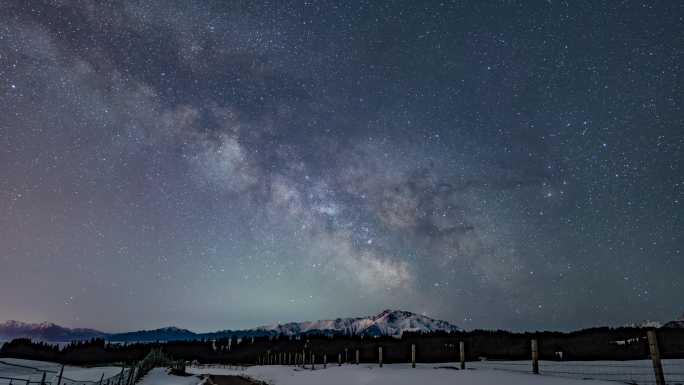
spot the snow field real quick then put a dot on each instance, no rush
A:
(392, 374)
(17, 368)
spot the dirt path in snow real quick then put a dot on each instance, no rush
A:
(231, 380)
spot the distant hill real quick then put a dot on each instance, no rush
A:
(46, 331)
(676, 324)
(386, 323)
(170, 333)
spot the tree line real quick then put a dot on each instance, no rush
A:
(588, 344)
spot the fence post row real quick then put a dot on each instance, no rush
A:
(535, 357)
(380, 356)
(655, 357)
(59, 379)
(132, 376)
(118, 382)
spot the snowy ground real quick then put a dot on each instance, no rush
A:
(632, 372)
(479, 373)
(16, 368)
(160, 376)
(396, 374)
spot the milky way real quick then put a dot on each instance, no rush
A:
(212, 165)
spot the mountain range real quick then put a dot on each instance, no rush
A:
(386, 323)
(45, 331)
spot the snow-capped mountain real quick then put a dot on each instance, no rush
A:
(676, 324)
(646, 324)
(46, 331)
(388, 322)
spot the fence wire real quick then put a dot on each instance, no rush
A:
(625, 372)
(125, 376)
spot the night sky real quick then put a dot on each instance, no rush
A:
(212, 165)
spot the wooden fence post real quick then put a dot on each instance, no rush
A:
(313, 361)
(380, 356)
(346, 359)
(121, 374)
(535, 357)
(655, 357)
(325, 360)
(461, 348)
(130, 375)
(339, 359)
(59, 379)
(413, 355)
(357, 356)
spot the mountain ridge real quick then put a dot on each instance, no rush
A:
(386, 323)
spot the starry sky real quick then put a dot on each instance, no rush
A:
(225, 164)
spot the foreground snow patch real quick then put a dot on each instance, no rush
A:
(160, 376)
(18, 368)
(397, 374)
